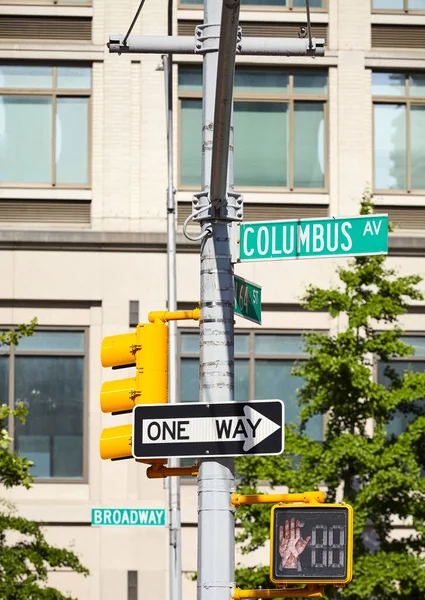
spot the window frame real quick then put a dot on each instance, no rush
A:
(405, 359)
(392, 11)
(12, 353)
(400, 359)
(407, 101)
(251, 356)
(54, 93)
(281, 9)
(288, 97)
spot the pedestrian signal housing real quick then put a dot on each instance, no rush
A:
(147, 350)
(311, 543)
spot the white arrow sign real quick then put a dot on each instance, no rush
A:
(251, 429)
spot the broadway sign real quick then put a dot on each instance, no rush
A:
(199, 429)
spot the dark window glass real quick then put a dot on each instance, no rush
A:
(258, 379)
(401, 421)
(44, 137)
(51, 387)
(4, 380)
(189, 380)
(264, 117)
(399, 131)
(274, 380)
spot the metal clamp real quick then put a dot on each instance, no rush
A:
(207, 38)
(231, 209)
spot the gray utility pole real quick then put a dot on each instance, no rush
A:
(173, 482)
(216, 207)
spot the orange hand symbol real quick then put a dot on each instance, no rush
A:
(291, 545)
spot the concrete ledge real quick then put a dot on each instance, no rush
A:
(23, 50)
(123, 241)
(413, 245)
(91, 241)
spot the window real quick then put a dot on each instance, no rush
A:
(46, 372)
(44, 125)
(399, 131)
(263, 365)
(398, 5)
(286, 4)
(414, 363)
(279, 128)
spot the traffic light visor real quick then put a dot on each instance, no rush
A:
(118, 350)
(115, 442)
(118, 396)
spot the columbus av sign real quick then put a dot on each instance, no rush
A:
(313, 238)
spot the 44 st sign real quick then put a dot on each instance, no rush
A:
(200, 429)
(247, 300)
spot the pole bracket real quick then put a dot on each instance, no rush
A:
(304, 497)
(164, 316)
(310, 591)
(231, 209)
(207, 38)
(158, 471)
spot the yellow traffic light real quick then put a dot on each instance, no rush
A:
(147, 350)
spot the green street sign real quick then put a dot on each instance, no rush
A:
(128, 516)
(247, 300)
(313, 238)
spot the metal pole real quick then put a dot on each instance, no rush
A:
(257, 46)
(216, 482)
(174, 482)
(224, 99)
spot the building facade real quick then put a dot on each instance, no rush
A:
(83, 176)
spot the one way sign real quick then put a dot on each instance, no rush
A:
(199, 429)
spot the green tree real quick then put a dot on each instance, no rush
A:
(25, 555)
(379, 474)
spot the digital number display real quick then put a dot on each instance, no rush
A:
(311, 544)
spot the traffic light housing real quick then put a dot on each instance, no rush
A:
(147, 350)
(311, 543)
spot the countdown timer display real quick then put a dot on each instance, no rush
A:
(311, 543)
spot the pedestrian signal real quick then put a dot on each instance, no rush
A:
(311, 543)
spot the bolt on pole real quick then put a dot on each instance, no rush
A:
(216, 482)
